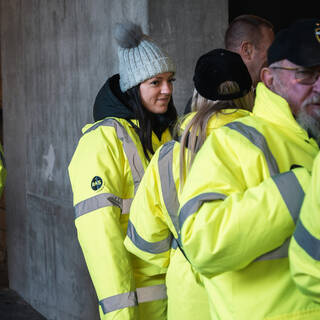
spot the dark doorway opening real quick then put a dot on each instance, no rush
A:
(280, 13)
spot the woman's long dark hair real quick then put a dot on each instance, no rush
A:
(149, 121)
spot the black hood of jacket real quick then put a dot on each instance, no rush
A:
(112, 102)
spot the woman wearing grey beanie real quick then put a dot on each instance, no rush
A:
(134, 112)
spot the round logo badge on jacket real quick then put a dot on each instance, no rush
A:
(96, 183)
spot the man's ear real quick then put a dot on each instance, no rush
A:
(266, 77)
(246, 50)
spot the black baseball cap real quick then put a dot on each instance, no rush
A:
(217, 66)
(299, 43)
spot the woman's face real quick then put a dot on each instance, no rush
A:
(156, 92)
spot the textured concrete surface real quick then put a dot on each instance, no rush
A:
(13, 307)
(187, 29)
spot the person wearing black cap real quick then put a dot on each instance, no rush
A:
(242, 197)
(224, 83)
(250, 36)
(293, 72)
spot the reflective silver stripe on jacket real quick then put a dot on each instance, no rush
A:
(256, 138)
(119, 301)
(309, 243)
(151, 247)
(126, 204)
(292, 195)
(291, 192)
(129, 147)
(168, 186)
(278, 253)
(152, 293)
(195, 203)
(100, 201)
(174, 244)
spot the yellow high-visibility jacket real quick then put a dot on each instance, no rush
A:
(304, 250)
(3, 170)
(105, 171)
(238, 211)
(153, 227)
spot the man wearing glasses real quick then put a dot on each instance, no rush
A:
(242, 199)
(293, 73)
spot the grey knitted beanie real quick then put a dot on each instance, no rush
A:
(139, 57)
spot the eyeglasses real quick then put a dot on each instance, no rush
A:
(304, 76)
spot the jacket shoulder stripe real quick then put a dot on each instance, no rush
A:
(129, 147)
(168, 186)
(256, 138)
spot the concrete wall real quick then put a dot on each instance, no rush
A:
(187, 29)
(55, 55)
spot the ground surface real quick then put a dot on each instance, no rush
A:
(13, 307)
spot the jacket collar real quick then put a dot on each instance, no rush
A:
(111, 101)
(275, 109)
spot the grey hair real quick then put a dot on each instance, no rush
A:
(128, 34)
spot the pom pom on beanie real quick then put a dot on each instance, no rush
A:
(128, 34)
(139, 57)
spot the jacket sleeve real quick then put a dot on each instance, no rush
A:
(304, 252)
(148, 234)
(232, 212)
(99, 176)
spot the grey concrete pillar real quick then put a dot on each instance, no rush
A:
(187, 29)
(55, 56)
